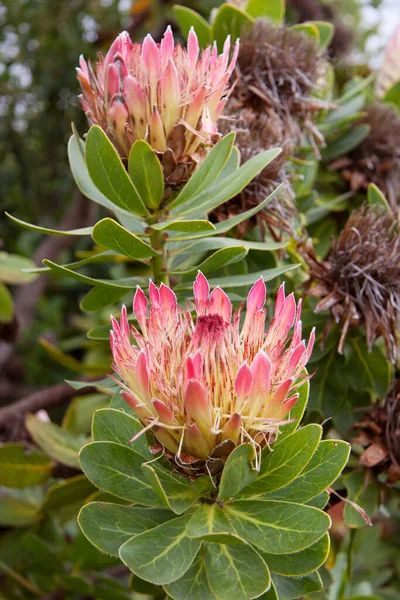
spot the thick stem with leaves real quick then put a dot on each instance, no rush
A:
(158, 263)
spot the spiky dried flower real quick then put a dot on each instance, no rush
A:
(207, 385)
(379, 434)
(254, 133)
(360, 280)
(162, 93)
(377, 158)
(278, 68)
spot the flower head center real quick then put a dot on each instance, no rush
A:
(210, 329)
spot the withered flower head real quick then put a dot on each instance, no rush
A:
(360, 280)
(278, 68)
(254, 134)
(379, 434)
(377, 158)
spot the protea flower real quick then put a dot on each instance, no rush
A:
(162, 93)
(389, 73)
(205, 385)
(359, 282)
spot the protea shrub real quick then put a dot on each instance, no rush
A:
(222, 491)
(162, 93)
(204, 386)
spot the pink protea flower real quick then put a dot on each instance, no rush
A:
(205, 385)
(162, 93)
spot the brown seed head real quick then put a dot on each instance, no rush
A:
(360, 280)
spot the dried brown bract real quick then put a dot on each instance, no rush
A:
(278, 68)
(360, 280)
(256, 132)
(379, 434)
(377, 158)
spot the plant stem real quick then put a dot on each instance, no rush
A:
(158, 263)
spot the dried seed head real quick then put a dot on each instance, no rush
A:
(255, 133)
(360, 280)
(377, 158)
(278, 68)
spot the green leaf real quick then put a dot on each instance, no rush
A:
(217, 260)
(47, 230)
(100, 296)
(111, 235)
(238, 471)
(21, 468)
(309, 30)
(320, 501)
(69, 361)
(79, 414)
(191, 226)
(57, 443)
(229, 20)
(326, 32)
(393, 94)
(162, 554)
(292, 588)
(146, 173)
(112, 425)
(363, 491)
(323, 469)
(193, 584)
(286, 461)
(272, 9)
(346, 142)
(208, 171)
(375, 196)
(367, 370)
(228, 224)
(107, 526)
(45, 560)
(242, 280)
(215, 243)
(6, 304)
(108, 173)
(62, 270)
(188, 18)
(300, 563)
(17, 513)
(226, 188)
(277, 527)
(210, 523)
(11, 269)
(117, 469)
(174, 490)
(66, 492)
(236, 572)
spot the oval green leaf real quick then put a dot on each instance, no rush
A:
(21, 468)
(117, 469)
(146, 173)
(111, 235)
(108, 526)
(277, 527)
(163, 554)
(238, 471)
(236, 572)
(108, 173)
(300, 563)
(286, 461)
